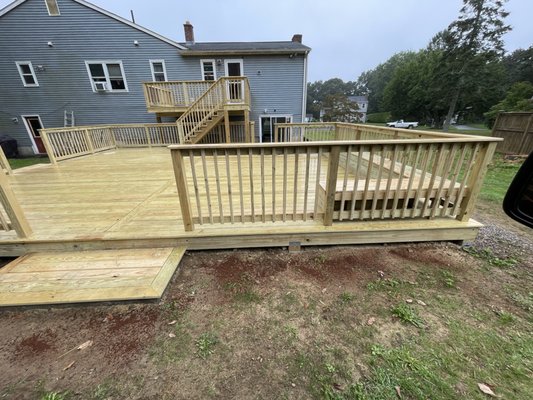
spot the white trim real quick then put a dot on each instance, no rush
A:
(106, 73)
(29, 131)
(152, 68)
(58, 11)
(214, 62)
(17, 3)
(233, 60)
(289, 116)
(304, 95)
(19, 63)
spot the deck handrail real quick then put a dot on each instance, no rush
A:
(320, 131)
(12, 216)
(174, 93)
(225, 91)
(330, 181)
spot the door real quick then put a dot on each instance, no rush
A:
(235, 87)
(267, 126)
(33, 124)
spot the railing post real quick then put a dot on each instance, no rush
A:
(148, 138)
(227, 126)
(337, 130)
(48, 147)
(181, 135)
(183, 192)
(252, 131)
(88, 140)
(4, 163)
(331, 184)
(475, 180)
(185, 90)
(13, 209)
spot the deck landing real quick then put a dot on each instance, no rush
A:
(88, 276)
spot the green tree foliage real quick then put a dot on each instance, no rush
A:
(338, 108)
(518, 98)
(374, 81)
(319, 90)
(519, 65)
(468, 43)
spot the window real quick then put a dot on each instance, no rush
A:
(159, 72)
(208, 70)
(27, 74)
(110, 74)
(53, 8)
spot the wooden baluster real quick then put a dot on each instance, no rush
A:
(306, 188)
(230, 192)
(206, 183)
(183, 193)
(196, 188)
(13, 209)
(360, 152)
(455, 175)
(295, 187)
(217, 180)
(318, 188)
(331, 183)
(241, 196)
(263, 205)
(345, 181)
(389, 182)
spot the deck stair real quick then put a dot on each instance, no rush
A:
(209, 109)
(88, 276)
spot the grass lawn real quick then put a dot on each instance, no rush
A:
(499, 176)
(25, 162)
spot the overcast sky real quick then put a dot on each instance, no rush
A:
(347, 36)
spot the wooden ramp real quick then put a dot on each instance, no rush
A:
(88, 276)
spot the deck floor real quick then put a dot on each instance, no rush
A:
(127, 195)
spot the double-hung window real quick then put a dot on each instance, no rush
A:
(107, 76)
(159, 72)
(27, 74)
(209, 72)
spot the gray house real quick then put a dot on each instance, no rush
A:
(65, 62)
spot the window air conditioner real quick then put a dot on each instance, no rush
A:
(100, 86)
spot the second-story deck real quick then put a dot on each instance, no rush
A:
(175, 97)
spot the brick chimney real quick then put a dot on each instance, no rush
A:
(189, 32)
(297, 38)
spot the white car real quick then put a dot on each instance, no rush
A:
(402, 124)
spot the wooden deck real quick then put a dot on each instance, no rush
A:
(87, 276)
(127, 198)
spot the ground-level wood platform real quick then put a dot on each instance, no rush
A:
(127, 199)
(88, 276)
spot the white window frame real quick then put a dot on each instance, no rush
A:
(233, 61)
(153, 71)
(213, 61)
(19, 69)
(106, 73)
(48, 9)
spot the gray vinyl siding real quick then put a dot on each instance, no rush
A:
(80, 34)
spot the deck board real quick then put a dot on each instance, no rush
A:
(88, 276)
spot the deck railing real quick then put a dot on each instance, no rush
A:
(65, 143)
(330, 181)
(12, 217)
(324, 131)
(175, 94)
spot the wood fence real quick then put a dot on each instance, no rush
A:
(516, 128)
(330, 181)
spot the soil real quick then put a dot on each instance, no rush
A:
(263, 306)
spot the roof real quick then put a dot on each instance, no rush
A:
(358, 99)
(214, 48)
(17, 3)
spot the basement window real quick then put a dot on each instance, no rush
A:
(107, 76)
(208, 70)
(27, 74)
(52, 7)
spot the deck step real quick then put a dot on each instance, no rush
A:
(88, 276)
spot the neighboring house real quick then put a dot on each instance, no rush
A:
(362, 106)
(69, 61)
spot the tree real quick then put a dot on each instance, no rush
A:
(338, 108)
(519, 65)
(373, 82)
(474, 39)
(319, 90)
(518, 98)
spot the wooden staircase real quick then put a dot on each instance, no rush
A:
(211, 108)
